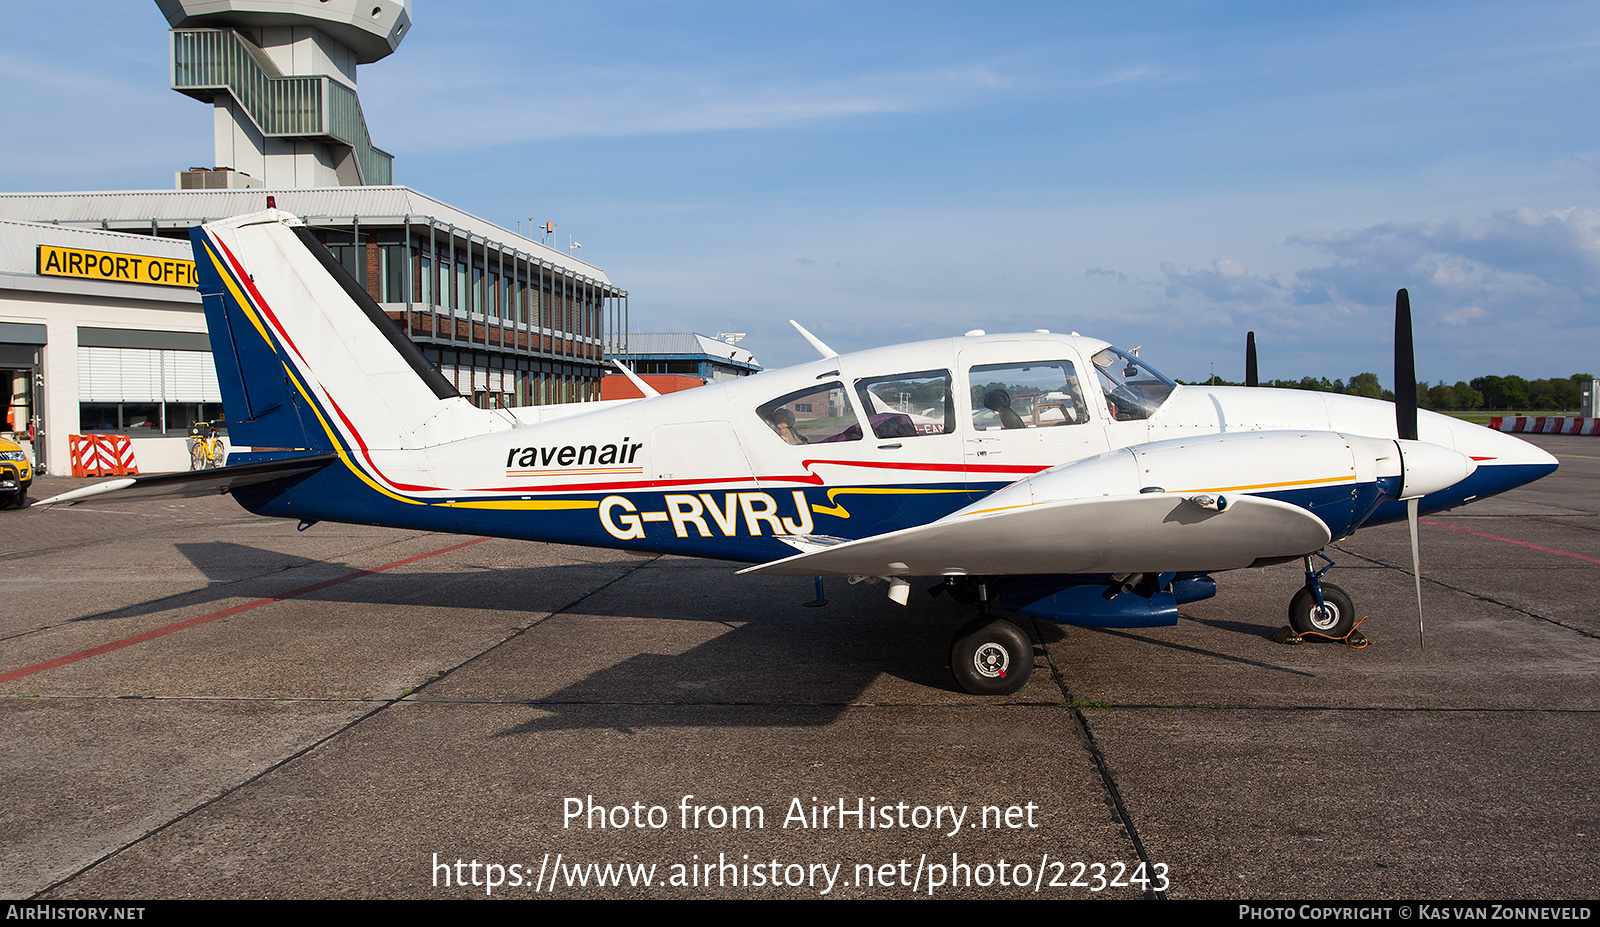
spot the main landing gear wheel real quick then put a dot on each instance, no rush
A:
(1336, 618)
(991, 656)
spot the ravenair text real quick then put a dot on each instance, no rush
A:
(706, 515)
(572, 455)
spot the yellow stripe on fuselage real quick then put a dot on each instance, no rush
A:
(840, 511)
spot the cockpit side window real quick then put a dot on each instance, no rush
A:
(1042, 394)
(908, 405)
(818, 414)
(1134, 390)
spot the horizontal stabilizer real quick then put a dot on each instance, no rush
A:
(1117, 534)
(197, 482)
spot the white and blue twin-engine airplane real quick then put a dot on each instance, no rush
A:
(1047, 475)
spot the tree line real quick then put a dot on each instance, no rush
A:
(1489, 393)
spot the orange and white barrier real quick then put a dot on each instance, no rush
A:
(1545, 424)
(122, 450)
(102, 455)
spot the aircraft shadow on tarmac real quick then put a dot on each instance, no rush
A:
(774, 651)
(810, 665)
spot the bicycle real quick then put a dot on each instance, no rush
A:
(206, 449)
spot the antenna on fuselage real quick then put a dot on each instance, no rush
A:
(650, 392)
(816, 342)
(1251, 377)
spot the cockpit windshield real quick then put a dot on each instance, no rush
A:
(1134, 390)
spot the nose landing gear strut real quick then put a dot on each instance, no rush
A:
(1320, 608)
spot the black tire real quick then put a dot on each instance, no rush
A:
(1336, 619)
(991, 656)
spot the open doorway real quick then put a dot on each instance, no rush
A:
(20, 385)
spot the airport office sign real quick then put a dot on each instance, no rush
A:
(123, 268)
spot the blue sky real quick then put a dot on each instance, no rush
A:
(1168, 175)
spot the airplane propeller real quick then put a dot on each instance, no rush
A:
(1405, 423)
(1405, 369)
(1250, 377)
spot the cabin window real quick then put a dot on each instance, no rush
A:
(1134, 390)
(1042, 394)
(908, 405)
(818, 414)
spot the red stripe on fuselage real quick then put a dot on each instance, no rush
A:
(810, 479)
(951, 468)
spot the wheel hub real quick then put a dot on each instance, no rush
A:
(991, 661)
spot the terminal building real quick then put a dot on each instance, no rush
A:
(673, 361)
(90, 342)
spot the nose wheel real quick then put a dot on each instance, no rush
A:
(1335, 617)
(1320, 608)
(991, 656)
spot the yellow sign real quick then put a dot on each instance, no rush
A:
(124, 268)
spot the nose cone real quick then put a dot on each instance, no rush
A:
(1494, 448)
(1504, 462)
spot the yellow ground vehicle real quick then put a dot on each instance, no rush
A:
(16, 473)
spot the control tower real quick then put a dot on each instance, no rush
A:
(281, 78)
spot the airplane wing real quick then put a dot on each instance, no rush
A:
(197, 482)
(1118, 534)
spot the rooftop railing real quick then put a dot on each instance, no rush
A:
(208, 61)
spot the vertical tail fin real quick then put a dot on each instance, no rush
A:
(306, 359)
(261, 406)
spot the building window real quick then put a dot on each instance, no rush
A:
(145, 391)
(353, 259)
(391, 273)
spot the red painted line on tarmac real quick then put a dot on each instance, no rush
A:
(1494, 537)
(171, 628)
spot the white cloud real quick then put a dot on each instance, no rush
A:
(1226, 281)
(1463, 315)
(1515, 263)
(881, 277)
(642, 100)
(1118, 276)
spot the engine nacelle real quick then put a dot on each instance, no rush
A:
(1339, 478)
